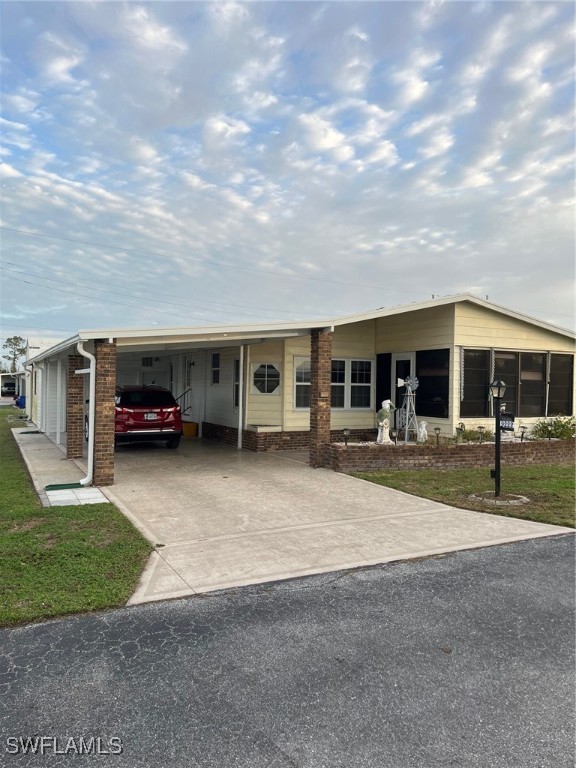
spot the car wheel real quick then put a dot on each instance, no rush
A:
(174, 442)
(86, 428)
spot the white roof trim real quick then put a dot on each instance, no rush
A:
(227, 333)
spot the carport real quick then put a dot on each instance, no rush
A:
(87, 367)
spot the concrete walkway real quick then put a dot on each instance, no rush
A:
(219, 517)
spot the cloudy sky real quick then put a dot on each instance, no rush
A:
(190, 163)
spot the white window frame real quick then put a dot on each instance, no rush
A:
(215, 368)
(297, 362)
(254, 367)
(347, 383)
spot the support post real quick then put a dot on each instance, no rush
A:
(105, 353)
(320, 387)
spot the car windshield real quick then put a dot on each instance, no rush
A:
(146, 398)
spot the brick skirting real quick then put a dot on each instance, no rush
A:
(274, 441)
(372, 457)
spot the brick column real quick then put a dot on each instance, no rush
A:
(105, 353)
(320, 385)
(75, 407)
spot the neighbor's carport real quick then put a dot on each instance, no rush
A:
(94, 355)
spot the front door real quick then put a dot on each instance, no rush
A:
(402, 367)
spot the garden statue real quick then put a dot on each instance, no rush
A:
(422, 432)
(383, 422)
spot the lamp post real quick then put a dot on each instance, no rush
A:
(346, 432)
(394, 434)
(437, 433)
(497, 388)
(522, 433)
(481, 430)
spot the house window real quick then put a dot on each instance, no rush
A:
(506, 369)
(236, 385)
(351, 384)
(215, 368)
(532, 384)
(338, 387)
(524, 374)
(266, 379)
(361, 384)
(433, 371)
(302, 384)
(560, 386)
(147, 362)
(476, 367)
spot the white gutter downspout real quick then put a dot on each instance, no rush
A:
(91, 412)
(240, 396)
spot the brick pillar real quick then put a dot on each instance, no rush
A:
(105, 353)
(75, 407)
(320, 385)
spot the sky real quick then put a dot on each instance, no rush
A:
(201, 163)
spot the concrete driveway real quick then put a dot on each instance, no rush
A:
(219, 517)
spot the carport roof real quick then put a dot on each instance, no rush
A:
(207, 336)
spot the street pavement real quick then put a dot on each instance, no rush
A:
(464, 659)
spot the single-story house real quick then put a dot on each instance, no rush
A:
(299, 384)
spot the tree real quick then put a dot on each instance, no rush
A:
(16, 347)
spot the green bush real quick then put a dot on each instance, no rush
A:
(472, 435)
(561, 426)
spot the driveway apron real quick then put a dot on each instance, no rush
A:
(219, 518)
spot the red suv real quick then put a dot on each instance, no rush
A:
(147, 413)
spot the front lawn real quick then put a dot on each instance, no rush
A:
(551, 489)
(59, 560)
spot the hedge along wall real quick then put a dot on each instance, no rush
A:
(372, 457)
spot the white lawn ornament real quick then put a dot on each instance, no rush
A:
(383, 422)
(422, 432)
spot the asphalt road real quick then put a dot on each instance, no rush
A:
(461, 660)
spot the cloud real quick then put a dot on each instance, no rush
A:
(397, 149)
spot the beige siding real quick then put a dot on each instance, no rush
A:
(425, 329)
(353, 342)
(265, 409)
(480, 327)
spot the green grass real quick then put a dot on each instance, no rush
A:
(550, 489)
(59, 560)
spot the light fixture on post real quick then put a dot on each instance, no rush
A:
(522, 433)
(346, 433)
(481, 430)
(497, 390)
(394, 433)
(549, 430)
(437, 431)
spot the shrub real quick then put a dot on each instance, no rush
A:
(472, 435)
(561, 426)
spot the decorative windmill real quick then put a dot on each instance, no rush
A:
(407, 413)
